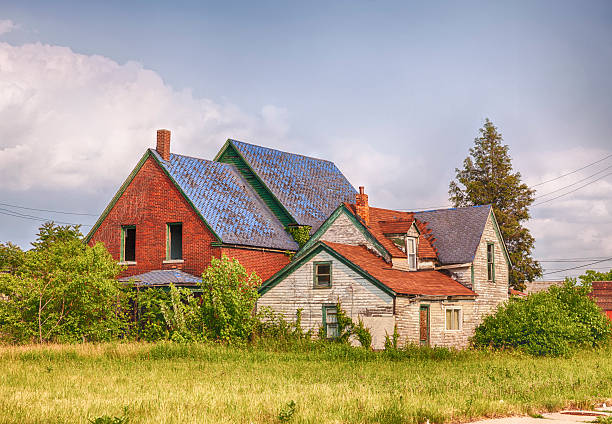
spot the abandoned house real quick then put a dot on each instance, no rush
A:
(176, 212)
(431, 275)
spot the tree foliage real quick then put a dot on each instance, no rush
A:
(551, 323)
(62, 290)
(228, 300)
(487, 178)
(589, 276)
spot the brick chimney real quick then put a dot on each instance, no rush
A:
(363, 209)
(163, 144)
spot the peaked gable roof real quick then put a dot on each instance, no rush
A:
(377, 271)
(457, 231)
(309, 189)
(226, 202)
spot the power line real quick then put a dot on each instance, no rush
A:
(577, 267)
(36, 218)
(573, 172)
(48, 210)
(573, 184)
(572, 191)
(568, 260)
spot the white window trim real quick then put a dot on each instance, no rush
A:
(408, 254)
(453, 308)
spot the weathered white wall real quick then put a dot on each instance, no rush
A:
(358, 297)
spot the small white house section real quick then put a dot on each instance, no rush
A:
(358, 297)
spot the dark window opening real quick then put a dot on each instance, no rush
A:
(490, 262)
(175, 241)
(129, 244)
(322, 277)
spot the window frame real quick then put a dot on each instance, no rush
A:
(315, 281)
(459, 311)
(124, 229)
(325, 307)
(412, 240)
(491, 263)
(169, 241)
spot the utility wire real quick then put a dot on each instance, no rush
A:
(36, 218)
(572, 191)
(573, 184)
(573, 172)
(47, 210)
(577, 267)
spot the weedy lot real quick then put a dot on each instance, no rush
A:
(173, 383)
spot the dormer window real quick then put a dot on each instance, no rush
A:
(411, 252)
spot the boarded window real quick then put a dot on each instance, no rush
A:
(453, 317)
(490, 262)
(128, 238)
(411, 252)
(330, 319)
(322, 274)
(175, 241)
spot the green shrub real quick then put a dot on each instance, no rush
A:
(549, 323)
(228, 300)
(62, 290)
(363, 334)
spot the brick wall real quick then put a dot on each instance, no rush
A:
(150, 202)
(263, 263)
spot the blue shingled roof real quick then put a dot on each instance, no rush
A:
(227, 203)
(165, 276)
(457, 231)
(310, 189)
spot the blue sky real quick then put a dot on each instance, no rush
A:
(393, 92)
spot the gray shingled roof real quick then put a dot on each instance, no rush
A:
(162, 277)
(457, 231)
(309, 188)
(227, 202)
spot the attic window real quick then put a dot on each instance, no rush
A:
(128, 243)
(174, 249)
(322, 274)
(490, 262)
(411, 252)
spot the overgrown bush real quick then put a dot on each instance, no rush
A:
(550, 323)
(228, 300)
(182, 316)
(363, 334)
(61, 290)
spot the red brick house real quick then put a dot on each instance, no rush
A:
(177, 212)
(602, 295)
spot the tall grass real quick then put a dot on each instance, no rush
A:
(177, 383)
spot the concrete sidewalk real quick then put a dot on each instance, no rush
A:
(563, 417)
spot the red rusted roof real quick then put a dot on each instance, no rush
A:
(602, 294)
(432, 283)
(388, 221)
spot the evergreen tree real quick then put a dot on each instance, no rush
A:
(487, 178)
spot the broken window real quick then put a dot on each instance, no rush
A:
(453, 318)
(174, 249)
(490, 262)
(128, 243)
(322, 274)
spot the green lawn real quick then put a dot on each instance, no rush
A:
(166, 383)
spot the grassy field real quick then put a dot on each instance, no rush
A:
(166, 383)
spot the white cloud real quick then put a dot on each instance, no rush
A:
(72, 121)
(6, 26)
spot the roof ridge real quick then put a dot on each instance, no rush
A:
(282, 151)
(455, 208)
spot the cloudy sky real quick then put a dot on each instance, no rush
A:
(392, 92)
